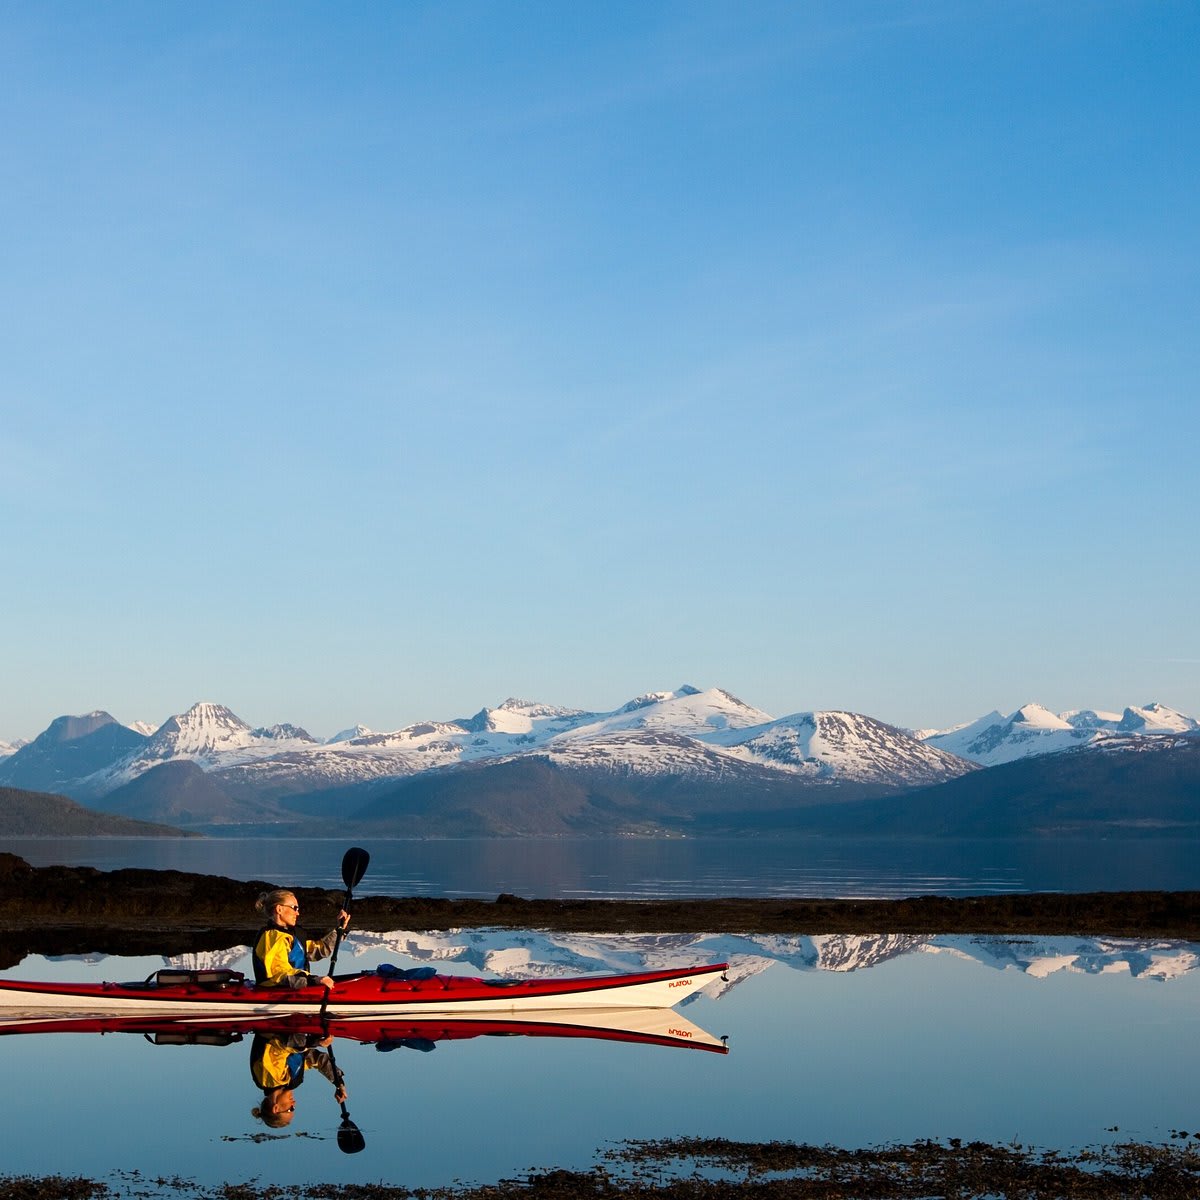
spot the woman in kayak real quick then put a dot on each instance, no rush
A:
(281, 956)
(278, 1064)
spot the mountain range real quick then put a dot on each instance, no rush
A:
(683, 761)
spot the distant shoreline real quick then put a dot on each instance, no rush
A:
(62, 910)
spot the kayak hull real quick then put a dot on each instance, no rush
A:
(366, 994)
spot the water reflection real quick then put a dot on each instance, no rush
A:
(854, 1041)
(532, 954)
(627, 868)
(285, 1052)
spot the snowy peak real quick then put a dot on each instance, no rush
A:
(1034, 729)
(844, 746)
(1156, 718)
(211, 736)
(204, 728)
(70, 729)
(648, 698)
(1089, 718)
(1037, 716)
(687, 711)
(349, 735)
(285, 733)
(995, 739)
(523, 718)
(1151, 718)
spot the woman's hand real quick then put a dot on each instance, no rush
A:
(343, 920)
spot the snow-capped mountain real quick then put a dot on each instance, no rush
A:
(682, 743)
(846, 746)
(1149, 719)
(659, 733)
(209, 735)
(348, 735)
(7, 748)
(1033, 729)
(688, 711)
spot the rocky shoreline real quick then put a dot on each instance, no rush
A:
(69, 910)
(683, 1169)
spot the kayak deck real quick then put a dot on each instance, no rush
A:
(364, 994)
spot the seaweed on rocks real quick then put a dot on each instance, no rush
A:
(683, 1169)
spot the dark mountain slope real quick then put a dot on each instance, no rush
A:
(68, 750)
(1152, 790)
(36, 814)
(180, 792)
(532, 796)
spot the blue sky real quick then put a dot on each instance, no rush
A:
(377, 362)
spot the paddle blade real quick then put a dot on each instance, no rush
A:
(354, 866)
(350, 1139)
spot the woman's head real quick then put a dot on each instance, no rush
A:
(277, 1108)
(279, 906)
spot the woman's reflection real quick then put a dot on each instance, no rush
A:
(278, 1064)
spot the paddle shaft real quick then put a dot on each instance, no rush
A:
(354, 867)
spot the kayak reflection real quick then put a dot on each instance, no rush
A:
(642, 1026)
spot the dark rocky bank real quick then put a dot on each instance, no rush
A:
(70, 910)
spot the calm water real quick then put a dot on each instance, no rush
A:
(644, 868)
(851, 1040)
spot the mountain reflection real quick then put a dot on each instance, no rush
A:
(528, 954)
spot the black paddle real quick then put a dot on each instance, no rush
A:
(354, 866)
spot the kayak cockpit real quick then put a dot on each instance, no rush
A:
(208, 980)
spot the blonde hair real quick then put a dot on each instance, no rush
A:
(265, 1112)
(266, 903)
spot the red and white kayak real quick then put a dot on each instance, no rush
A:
(641, 1026)
(219, 992)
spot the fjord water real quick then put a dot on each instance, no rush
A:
(856, 1041)
(647, 868)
